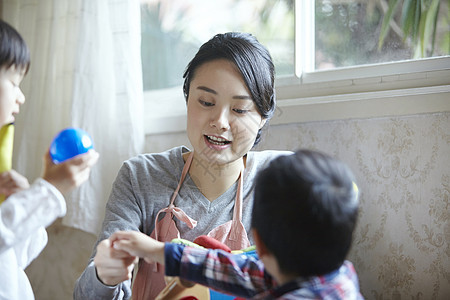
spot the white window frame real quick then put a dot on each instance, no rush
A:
(368, 91)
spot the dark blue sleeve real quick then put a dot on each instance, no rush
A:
(172, 258)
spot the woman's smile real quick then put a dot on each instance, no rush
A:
(217, 143)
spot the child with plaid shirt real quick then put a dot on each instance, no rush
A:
(303, 219)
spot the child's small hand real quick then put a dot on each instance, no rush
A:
(139, 244)
(71, 173)
(12, 182)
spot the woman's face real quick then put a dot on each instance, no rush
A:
(11, 97)
(223, 120)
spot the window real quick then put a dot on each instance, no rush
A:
(172, 32)
(350, 33)
(319, 48)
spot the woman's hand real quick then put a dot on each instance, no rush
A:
(67, 175)
(12, 182)
(113, 266)
(139, 244)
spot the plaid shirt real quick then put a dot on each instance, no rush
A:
(244, 276)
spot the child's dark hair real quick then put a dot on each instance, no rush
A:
(251, 58)
(13, 49)
(305, 211)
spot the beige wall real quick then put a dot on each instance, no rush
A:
(402, 242)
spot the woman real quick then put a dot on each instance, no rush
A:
(229, 90)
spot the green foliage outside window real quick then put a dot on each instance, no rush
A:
(420, 23)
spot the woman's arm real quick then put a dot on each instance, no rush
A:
(107, 275)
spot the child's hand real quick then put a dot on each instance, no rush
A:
(71, 173)
(139, 244)
(12, 182)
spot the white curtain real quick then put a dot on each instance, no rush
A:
(85, 72)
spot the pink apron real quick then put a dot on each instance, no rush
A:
(149, 280)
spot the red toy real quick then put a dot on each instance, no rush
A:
(211, 243)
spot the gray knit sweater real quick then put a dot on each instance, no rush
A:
(144, 185)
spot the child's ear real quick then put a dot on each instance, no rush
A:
(260, 246)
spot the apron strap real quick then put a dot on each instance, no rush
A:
(172, 210)
(186, 167)
(237, 211)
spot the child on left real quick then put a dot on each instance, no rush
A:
(28, 210)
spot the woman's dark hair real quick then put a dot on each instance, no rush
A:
(251, 58)
(305, 211)
(13, 49)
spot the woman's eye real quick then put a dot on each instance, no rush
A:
(205, 103)
(240, 111)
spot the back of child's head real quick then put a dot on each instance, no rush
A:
(305, 211)
(13, 49)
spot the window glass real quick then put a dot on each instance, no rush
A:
(173, 30)
(343, 32)
(347, 33)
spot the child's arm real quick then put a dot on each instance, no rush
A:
(24, 212)
(239, 275)
(64, 177)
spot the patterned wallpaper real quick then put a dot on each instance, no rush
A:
(401, 246)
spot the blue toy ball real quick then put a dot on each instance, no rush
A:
(69, 143)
